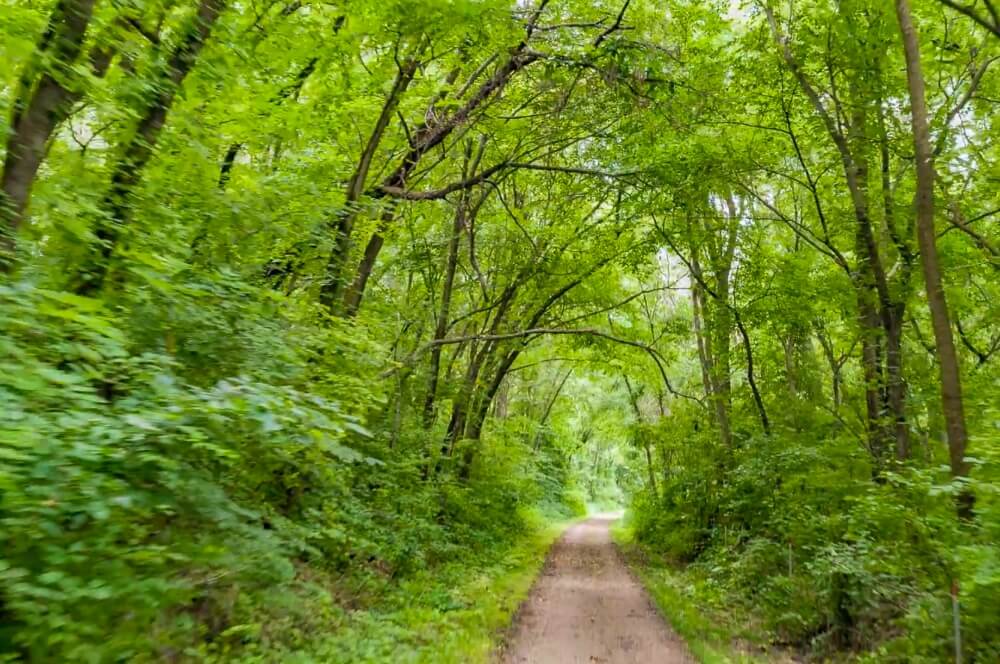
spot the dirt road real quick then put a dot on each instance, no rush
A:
(586, 608)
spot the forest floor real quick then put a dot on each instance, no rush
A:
(587, 608)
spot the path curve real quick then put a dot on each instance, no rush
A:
(586, 608)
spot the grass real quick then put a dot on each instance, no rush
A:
(711, 639)
(456, 613)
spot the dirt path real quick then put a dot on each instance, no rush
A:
(587, 608)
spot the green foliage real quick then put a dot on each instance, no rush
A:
(687, 603)
(800, 544)
(312, 314)
(200, 510)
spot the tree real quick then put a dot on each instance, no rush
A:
(307, 305)
(951, 379)
(48, 87)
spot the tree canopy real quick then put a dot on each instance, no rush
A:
(307, 305)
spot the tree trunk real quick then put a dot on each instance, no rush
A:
(835, 365)
(871, 363)
(228, 161)
(474, 426)
(41, 105)
(878, 307)
(633, 398)
(895, 386)
(951, 383)
(868, 274)
(344, 226)
(137, 152)
(765, 422)
(723, 325)
(716, 390)
(548, 409)
(451, 263)
(703, 358)
(463, 401)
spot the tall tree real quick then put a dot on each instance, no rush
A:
(49, 85)
(951, 377)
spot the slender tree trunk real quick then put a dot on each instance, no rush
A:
(951, 382)
(716, 389)
(765, 421)
(501, 407)
(871, 363)
(464, 400)
(344, 225)
(548, 409)
(703, 359)
(139, 149)
(426, 138)
(474, 426)
(228, 161)
(733, 315)
(356, 290)
(723, 267)
(397, 414)
(835, 365)
(896, 386)
(633, 398)
(44, 100)
(871, 290)
(451, 263)
(889, 427)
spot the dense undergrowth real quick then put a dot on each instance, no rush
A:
(714, 634)
(311, 312)
(151, 511)
(785, 551)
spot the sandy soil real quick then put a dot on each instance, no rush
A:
(587, 608)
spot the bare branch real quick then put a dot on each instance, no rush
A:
(981, 357)
(617, 305)
(969, 10)
(475, 75)
(614, 26)
(977, 76)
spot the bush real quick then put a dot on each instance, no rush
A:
(822, 559)
(151, 510)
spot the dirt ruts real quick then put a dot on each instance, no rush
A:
(587, 608)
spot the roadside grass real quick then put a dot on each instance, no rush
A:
(713, 638)
(455, 614)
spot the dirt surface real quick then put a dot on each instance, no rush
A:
(587, 608)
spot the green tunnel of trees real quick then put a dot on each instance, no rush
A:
(304, 301)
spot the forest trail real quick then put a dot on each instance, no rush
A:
(586, 608)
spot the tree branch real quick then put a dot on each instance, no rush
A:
(539, 331)
(614, 26)
(969, 10)
(485, 174)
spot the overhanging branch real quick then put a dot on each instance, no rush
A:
(543, 331)
(485, 174)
